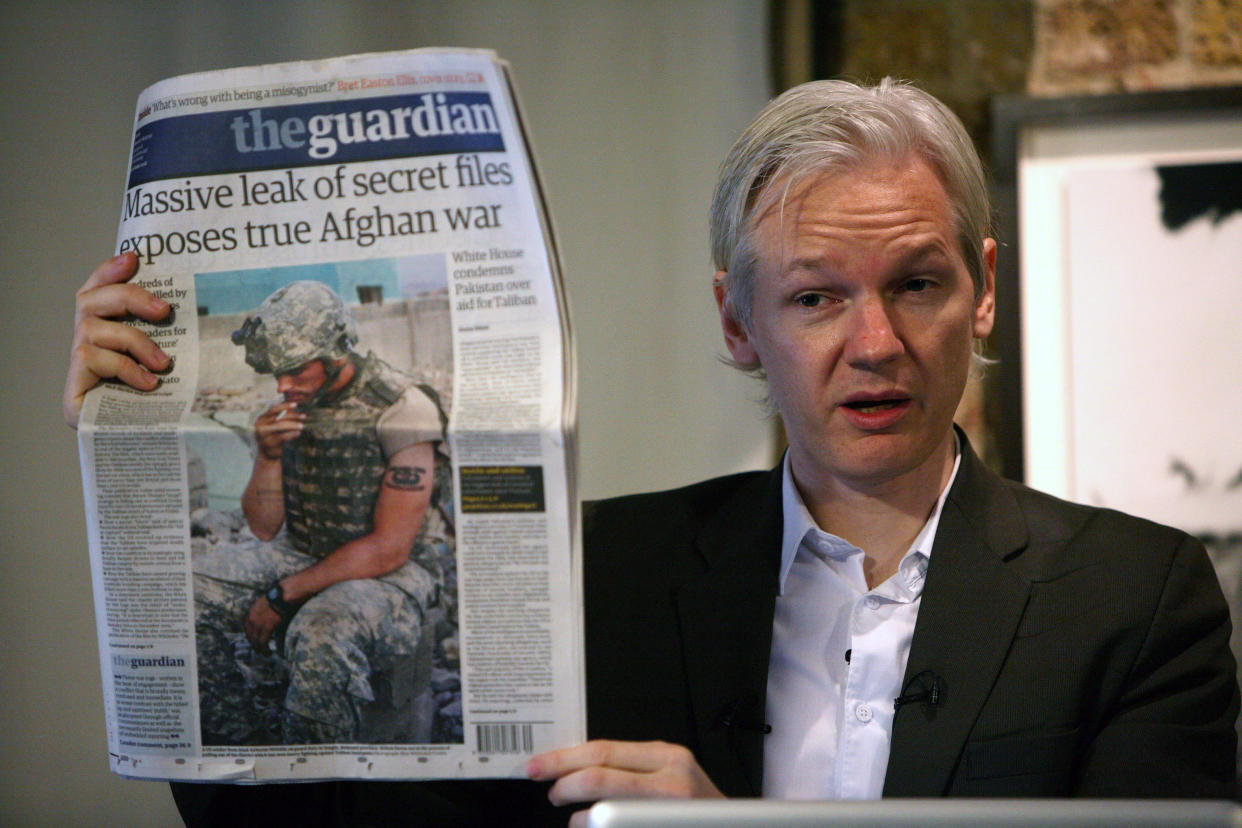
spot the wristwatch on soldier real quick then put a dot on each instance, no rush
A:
(275, 595)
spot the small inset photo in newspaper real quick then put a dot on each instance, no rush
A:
(319, 425)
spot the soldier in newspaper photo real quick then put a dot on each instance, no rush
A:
(346, 463)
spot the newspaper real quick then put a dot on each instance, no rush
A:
(370, 411)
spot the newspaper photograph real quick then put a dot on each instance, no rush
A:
(340, 539)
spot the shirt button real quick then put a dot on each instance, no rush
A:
(863, 712)
(872, 602)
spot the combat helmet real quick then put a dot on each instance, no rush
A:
(299, 323)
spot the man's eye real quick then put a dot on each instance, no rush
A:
(917, 284)
(809, 300)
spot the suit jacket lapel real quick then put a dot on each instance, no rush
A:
(969, 612)
(726, 628)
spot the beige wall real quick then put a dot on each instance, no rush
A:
(632, 104)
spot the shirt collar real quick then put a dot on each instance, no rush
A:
(798, 523)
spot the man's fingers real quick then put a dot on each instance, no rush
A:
(104, 348)
(104, 334)
(277, 434)
(591, 784)
(119, 268)
(603, 769)
(257, 632)
(106, 294)
(633, 756)
(117, 301)
(280, 415)
(109, 350)
(280, 410)
(96, 363)
(257, 640)
(595, 783)
(89, 364)
(273, 437)
(289, 422)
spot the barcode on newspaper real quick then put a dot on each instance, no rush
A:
(505, 738)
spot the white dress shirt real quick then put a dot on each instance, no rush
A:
(832, 719)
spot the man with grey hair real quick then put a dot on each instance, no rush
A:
(879, 615)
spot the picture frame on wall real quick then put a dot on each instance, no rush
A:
(1120, 285)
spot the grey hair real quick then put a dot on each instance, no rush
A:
(830, 127)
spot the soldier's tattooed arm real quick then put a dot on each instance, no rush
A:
(407, 478)
(404, 498)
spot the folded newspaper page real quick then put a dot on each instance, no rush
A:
(340, 539)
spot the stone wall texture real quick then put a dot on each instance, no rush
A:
(962, 51)
(967, 51)
(1096, 46)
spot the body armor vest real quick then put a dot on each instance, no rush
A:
(333, 471)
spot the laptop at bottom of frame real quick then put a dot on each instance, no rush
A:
(932, 813)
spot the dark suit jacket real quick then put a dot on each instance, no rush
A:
(1081, 652)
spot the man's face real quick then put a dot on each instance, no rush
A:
(862, 318)
(300, 384)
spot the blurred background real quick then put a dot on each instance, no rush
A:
(631, 106)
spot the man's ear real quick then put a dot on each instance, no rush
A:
(737, 337)
(985, 305)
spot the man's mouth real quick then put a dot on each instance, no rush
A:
(873, 412)
(871, 406)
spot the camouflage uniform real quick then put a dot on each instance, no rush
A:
(340, 638)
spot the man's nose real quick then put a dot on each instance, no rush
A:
(874, 339)
(283, 383)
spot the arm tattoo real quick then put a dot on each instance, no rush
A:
(407, 478)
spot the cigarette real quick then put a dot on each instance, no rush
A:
(281, 416)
